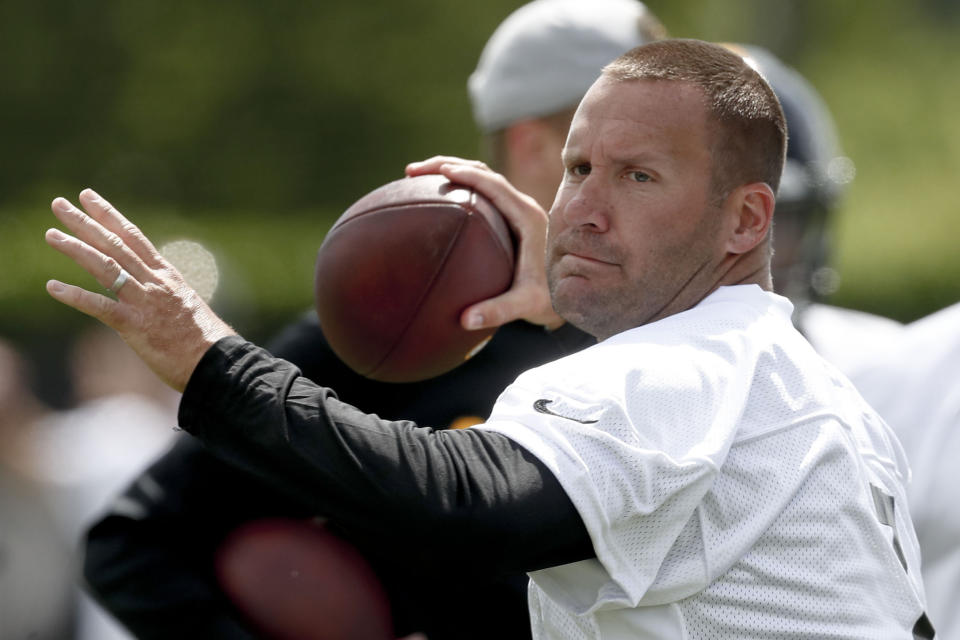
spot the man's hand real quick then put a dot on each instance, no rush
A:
(156, 312)
(528, 298)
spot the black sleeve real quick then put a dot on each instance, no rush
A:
(150, 560)
(471, 488)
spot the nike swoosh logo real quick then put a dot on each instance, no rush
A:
(540, 406)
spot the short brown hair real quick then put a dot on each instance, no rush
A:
(750, 137)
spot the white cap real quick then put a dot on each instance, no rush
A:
(546, 54)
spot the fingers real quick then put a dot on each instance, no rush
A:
(108, 243)
(433, 165)
(93, 304)
(105, 269)
(521, 211)
(112, 220)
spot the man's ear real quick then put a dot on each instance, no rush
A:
(751, 213)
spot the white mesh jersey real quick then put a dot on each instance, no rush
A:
(733, 483)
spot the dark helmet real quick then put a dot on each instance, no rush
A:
(814, 177)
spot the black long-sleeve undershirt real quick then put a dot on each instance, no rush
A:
(149, 560)
(470, 487)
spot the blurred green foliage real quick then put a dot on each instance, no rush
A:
(249, 126)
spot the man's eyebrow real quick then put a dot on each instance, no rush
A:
(573, 155)
(638, 157)
(568, 155)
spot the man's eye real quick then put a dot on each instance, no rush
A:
(639, 176)
(580, 170)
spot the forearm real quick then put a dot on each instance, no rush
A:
(370, 475)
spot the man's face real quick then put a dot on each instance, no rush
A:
(632, 235)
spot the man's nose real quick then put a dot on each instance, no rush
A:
(588, 205)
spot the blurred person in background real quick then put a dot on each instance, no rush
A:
(915, 385)
(118, 421)
(37, 567)
(83, 457)
(151, 566)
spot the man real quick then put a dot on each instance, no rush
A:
(148, 558)
(728, 481)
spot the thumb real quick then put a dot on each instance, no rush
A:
(492, 312)
(522, 303)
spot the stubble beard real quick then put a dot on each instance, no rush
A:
(604, 311)
(601, 312)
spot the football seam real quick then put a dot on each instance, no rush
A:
(412, 203)
(426, 291)
(475, 210)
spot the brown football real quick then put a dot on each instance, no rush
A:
(398, 268)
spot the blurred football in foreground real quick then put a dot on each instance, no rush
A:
(293, 580)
